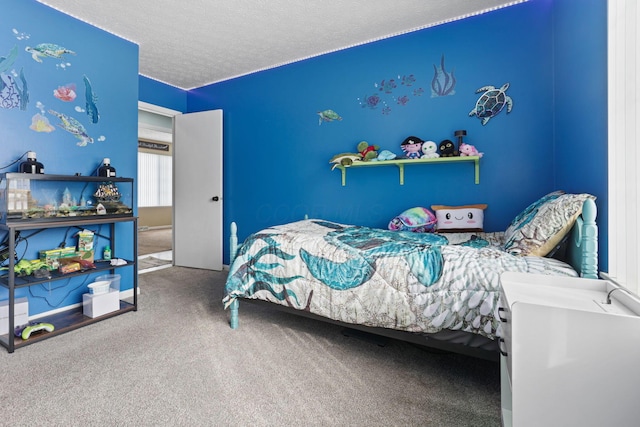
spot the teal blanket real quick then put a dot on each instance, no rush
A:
(416, 282)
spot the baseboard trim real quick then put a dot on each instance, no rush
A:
(123, 295)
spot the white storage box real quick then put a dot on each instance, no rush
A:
(95, 305)
(21, 314)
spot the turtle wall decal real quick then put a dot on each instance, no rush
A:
(491, 102)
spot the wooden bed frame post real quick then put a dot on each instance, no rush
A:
(233, 250)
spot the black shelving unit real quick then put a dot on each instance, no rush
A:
(73, 318)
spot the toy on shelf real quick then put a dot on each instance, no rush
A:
(412, 147)
(469, 150)
(384, 155)
(368, 152)
(430, 150)
(345, 159)
(34, 327)
(448, 149)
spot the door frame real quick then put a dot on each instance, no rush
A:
(150, 132)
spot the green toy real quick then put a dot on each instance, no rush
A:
(345, 159)
(26, 267)
(26, 333)
(368, 152)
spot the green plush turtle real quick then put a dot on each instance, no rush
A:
(345, 159)
(368, 152)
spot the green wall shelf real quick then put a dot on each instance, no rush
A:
(400, 164)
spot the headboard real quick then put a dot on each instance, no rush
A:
(582, 242)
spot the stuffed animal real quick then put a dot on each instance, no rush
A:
(384, 155)
(368, 152)
(418, 220)
(465, 218)
(412, 147)
(469, 150)
(448, 149)
(430, 149)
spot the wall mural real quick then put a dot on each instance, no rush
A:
(390, 95)
(14, 92)
(491, 102)
(328, 116)
(443, 82)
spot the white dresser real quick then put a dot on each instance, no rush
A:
(568, 359)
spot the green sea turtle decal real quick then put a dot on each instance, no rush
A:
(491, 102)
(328, 116)
(47, 50)
(74, 127)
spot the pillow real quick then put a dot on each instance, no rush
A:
(459, 218)
(543, 224)
(418, 219)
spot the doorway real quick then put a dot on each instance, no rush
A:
(155, 180)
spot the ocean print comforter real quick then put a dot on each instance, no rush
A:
(416, 282)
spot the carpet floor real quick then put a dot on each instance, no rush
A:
(176, 362)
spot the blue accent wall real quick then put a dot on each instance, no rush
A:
(276, 152)
(111, 65)
(162, 94)
(580, 103)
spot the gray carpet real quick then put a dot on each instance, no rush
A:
(176, 362)
(153, 240)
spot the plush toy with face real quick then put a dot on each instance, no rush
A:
(412, 147)
(459, 218)
(448, 149)
(430, 149)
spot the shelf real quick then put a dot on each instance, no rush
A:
(55, 275)
(402, 162)
(65, 321)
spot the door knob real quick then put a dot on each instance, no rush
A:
(215, 198)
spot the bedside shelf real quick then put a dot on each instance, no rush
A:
(402, 162)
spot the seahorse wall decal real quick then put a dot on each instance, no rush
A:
(443, 82)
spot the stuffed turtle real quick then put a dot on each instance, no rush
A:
(368, 152)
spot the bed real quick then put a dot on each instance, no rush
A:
(439, 290)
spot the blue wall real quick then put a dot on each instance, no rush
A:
(162, 94)
(276, 153)
(580, 98)
(111, 65)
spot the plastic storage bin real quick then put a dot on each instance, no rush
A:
(114, 279)
(95, 305)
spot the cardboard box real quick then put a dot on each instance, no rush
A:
(21, 314)
(52, 257)
(98, 305)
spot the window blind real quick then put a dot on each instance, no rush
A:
(155, 180)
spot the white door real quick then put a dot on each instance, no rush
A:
(197, 190)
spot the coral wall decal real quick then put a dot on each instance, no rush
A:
(443, 82)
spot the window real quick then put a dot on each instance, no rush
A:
(624, 132)
(154, 180)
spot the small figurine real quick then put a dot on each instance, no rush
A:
(447, 149)
(412, 147)
(430, 149)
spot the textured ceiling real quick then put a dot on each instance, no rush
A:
(193, 43)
